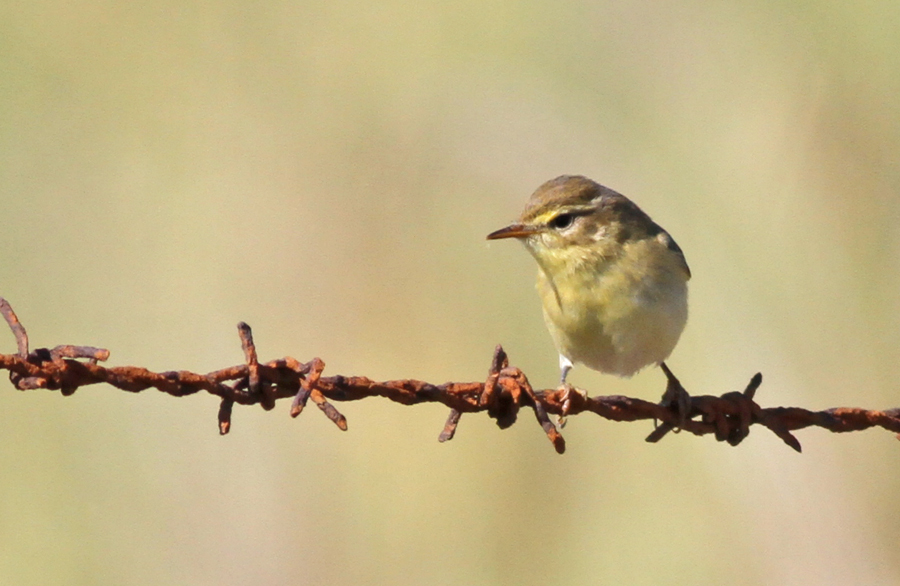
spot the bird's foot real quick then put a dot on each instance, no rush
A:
(676, 397)
(567, 395)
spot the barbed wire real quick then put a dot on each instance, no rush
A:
(506, 390)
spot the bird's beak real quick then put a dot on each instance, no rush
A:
(513, 231)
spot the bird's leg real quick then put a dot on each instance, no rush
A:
(565, 365)
(676, 396)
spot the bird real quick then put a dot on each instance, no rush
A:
(612, 282)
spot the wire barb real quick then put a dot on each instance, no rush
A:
(17, 328)
(225, 416)
(506, 389)
(450, 427)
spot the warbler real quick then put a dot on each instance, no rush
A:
(612, 282)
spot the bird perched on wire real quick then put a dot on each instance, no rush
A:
(613, 283)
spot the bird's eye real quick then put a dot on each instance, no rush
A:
(561, 221)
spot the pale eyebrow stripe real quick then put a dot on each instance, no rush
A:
(583, 210)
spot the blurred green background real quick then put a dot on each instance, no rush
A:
(327, 171)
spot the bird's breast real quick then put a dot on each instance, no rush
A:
(616, 316)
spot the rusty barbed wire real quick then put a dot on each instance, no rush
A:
(506, 390)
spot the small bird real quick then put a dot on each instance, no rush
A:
(612, 282)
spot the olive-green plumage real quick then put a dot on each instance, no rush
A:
(612, 282)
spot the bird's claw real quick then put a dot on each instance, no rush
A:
(567, 392)
(676, 396)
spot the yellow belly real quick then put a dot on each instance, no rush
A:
(619, 317)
